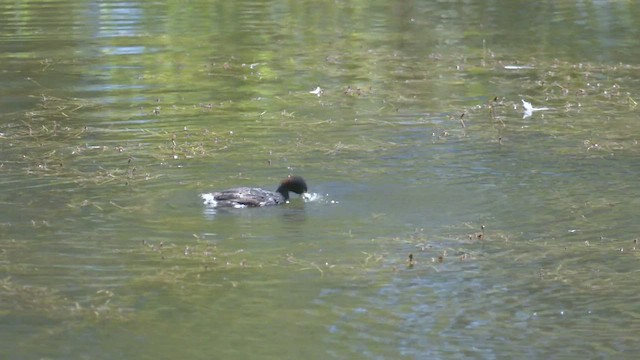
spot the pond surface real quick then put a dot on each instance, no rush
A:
(493, 142)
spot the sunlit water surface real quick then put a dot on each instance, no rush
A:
(407, 121)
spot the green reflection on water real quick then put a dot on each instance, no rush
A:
(416, 143)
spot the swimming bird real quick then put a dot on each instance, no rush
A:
(255, 197)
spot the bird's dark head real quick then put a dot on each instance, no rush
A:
(294, 184)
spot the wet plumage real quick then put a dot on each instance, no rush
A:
(256, 197)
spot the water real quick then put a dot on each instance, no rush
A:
(114, 116)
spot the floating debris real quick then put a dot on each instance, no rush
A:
(529, 109)
(411, 262)
(317, 91)
(518, 67)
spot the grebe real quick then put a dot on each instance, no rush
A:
(255, 197)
